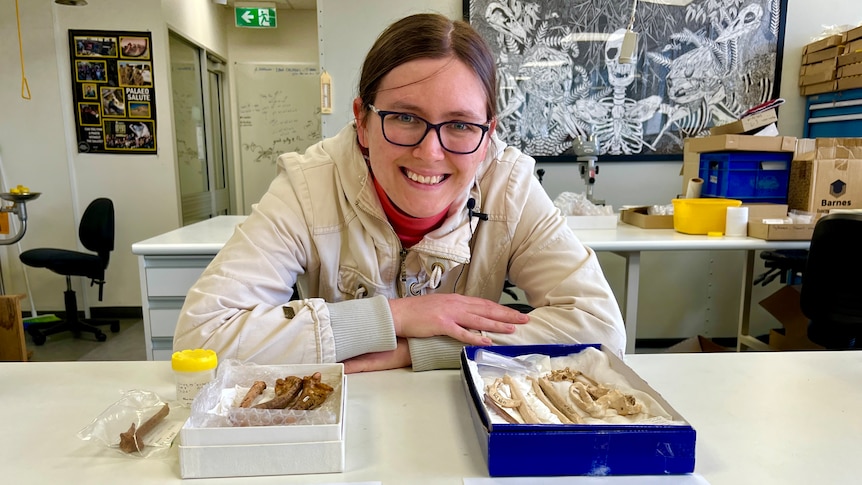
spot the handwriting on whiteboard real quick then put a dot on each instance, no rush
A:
(279, 112)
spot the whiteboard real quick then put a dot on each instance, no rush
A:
(278, 108)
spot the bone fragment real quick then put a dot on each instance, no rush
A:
(526, 411)
(133, 439)
(489, 401)
(255, 390)
(537, 390)
(313, 394)
(560, 401)
(494, 393)
(578, 393)
(284, 400)
(624, 404)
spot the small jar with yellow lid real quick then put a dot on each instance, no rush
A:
(193, 369)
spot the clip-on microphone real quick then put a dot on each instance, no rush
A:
(471, 203)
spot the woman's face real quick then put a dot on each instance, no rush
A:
(425, 179)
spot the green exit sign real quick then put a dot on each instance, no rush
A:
(255, 17)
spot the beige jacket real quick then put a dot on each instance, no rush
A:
(321, 222)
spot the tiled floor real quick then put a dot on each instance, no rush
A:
(127, 344)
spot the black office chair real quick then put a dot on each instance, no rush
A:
(785, 264)
(831, 293)
(96, 232)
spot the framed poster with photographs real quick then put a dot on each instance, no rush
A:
(695, 64)
(112, 83)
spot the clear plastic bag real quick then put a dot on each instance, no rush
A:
(660, 210)
(576, 204)
(135, 407)
(217, 404)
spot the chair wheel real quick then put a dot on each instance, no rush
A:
(115, 327)
(38, 338)
(101, 337)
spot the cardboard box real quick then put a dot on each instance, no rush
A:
(826, 42)
(851, 34)
(747, 124)
(851, 82)
(850, 70)
(819, 88)
(780, 232)
(261, 460)
(823, 66)
(693, 147)
(696, 344)
(851, 58)
(784, 306)
(827, 177)
(759, 211)
(775, 232)
(822, 55)
(534, 450)
(638, 216)
(853, 46)
(592, 222)
(240, 451)
(817, 78)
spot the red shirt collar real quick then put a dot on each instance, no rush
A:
(410, 230)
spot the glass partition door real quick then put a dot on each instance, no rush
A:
(199, 124)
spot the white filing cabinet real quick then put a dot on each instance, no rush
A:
(169, 265)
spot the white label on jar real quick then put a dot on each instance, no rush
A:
(189, 385)
(186, 392)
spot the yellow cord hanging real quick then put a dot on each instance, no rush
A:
(25, 88)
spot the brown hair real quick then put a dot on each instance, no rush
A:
(428, 36)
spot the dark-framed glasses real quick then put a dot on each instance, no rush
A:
(408, 130)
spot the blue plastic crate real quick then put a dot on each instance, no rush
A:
(747, 176)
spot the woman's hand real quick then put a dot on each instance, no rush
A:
(457, 316)
(391, 359)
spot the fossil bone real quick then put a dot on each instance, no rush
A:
(540, 395)
(494, 392)
(500, 410)
(624, 404)
(524, 408)
(578, 393)
(560, 401)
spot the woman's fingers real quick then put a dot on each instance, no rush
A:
(457, 316)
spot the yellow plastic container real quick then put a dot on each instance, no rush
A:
(193, 369)
(701, 216)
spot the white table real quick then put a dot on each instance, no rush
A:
(170, 263)
(761, 417)
(630, 241)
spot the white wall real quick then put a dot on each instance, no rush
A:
(294, 40)
(199, 21)
(37, 142)
(347, 30)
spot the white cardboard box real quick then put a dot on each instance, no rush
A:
(258, 460)
(211, 452)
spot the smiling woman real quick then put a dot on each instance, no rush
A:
(402, 231)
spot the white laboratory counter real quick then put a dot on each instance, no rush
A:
(170, 263)
(761, 417)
